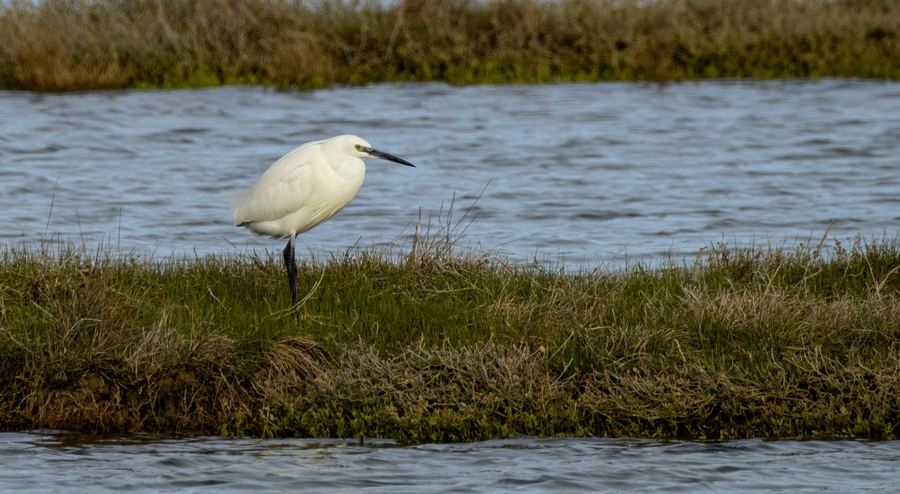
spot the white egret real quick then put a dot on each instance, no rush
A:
(304, 188)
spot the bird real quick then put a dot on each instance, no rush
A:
(303, 189)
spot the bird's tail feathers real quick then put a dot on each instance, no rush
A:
(232, 196)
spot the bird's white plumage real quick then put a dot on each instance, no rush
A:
(304, 188)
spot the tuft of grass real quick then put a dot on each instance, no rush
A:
(65, 45)
(437, 345)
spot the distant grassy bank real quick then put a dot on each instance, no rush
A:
(431, 346)
(57, 45)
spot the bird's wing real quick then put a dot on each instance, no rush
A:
(282, 189)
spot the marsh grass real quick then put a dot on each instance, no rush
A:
(436, 345)
(67, 45)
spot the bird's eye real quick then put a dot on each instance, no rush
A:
(358, 147)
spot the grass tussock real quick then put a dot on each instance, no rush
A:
(66, 45)
(435, 346)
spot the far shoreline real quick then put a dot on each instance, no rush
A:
(55, 47)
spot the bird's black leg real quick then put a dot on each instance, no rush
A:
(290, 265)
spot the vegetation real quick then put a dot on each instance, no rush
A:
(69, 45)
(435, 346)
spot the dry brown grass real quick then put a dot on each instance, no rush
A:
(431, 345)
(490, 390)
(435, 346)
(59, 45)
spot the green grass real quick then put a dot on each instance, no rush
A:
(56, 45)
(434, 345)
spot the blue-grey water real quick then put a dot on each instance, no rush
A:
(583, 173)
(579, 173)
(33, 463)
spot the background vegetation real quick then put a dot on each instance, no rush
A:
(68, 45)
(434, 346)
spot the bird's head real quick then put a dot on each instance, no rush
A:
(358, 147)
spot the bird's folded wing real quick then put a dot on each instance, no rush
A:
(281, 191)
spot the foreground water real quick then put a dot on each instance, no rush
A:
(53, 462)
(578, 172)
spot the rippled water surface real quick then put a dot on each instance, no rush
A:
(49, 463)
(579, 172)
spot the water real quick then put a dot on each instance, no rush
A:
(52, 463)
(582, 173)
(579, 173)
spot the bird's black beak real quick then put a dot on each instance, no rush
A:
(390, 157)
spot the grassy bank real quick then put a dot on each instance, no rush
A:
(433, 346)
(56, 45)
